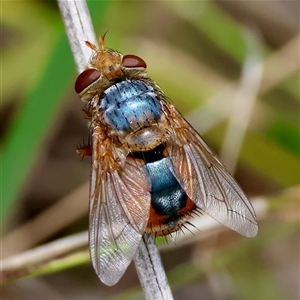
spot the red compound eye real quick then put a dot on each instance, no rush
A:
(85, 79)
(133, 61)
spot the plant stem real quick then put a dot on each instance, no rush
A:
(147, 260)
(79, 28)
(150, 270)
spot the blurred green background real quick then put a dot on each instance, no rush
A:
(202, 54)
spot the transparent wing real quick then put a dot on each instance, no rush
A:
(119, 211)
(205, 179)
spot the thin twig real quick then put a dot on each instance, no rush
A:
(46, 252)
(241, 110)
(22, 239)
(150, 271)
(79, 29)
(147, 260)
(66, 248)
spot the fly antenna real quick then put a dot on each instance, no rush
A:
(92, 46)
(101, 41)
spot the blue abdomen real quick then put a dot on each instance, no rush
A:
(167, 196)
(169, 202)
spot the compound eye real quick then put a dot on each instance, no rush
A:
(85, 79)
(133, 61)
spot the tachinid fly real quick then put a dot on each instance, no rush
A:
(150, 169)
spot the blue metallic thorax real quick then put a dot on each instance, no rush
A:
(167, 196)
(130, 105)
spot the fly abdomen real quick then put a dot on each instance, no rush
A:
(170, 205)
